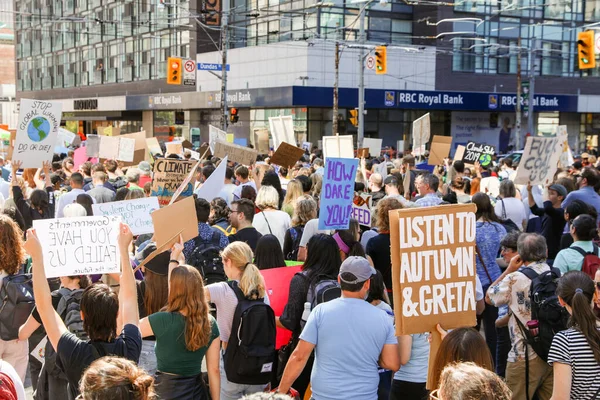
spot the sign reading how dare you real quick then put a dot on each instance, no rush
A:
(337, 193)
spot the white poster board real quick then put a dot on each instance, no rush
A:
(282, 130)
(65, 138)
(37, 132)
(126, 149)
(421, 132)
(215, 134)
(566, 157)
(135, 213)
(79, 246)
(215, 182)
(540, 160)
(338, 146)
(374, 146)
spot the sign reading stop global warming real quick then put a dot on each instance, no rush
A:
(136, 213)
(168, 176)
(433, 267)
(79, 246)
(337, 193)
(37, 132)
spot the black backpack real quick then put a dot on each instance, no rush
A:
(250, 353)
(16, 295)
(118, 182)
(545, 308)
(296, 235)
(321, 292)
(206, 258)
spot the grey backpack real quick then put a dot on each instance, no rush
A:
(16, 295)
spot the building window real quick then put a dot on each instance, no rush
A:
(464, 58)
(552, 59)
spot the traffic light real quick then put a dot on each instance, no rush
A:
(380, 60)
(354, 117)
(174, 71)
(233, 115)
(585, 50)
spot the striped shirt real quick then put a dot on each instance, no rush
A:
(571, 347)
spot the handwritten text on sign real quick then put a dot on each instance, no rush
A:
(136, 213)
(168, 176)
(539, 161)
(361, 208)
(79, 246)
(337, 193)
(433, 267)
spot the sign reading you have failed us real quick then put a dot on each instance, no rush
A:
(79, 246)
(136, 213)
(337, 193)
(37, 132)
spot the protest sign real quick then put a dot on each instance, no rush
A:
(242, 155)
(338, 146)
(135, 213)
(374, 146)
(566, 157)
(92, 146)
(478, 152)
(79, 246)
(194, 155)
(126, 149)
(79, 157)
(39, 351)
(153, 146)
(174, 148)
(65, 137)
(433, 270)
(37, 132)
(337, 193)
(173, 220)
(262, 141)
(539, 161)
(168, 176)
(229, 138)
(421, 133)
(361, 208)
(184, 185)
(307, 146)
(139, 153)
(186, 144)
(282, 130)
(459, 153)
(287, 155)
(215, 182)
(362, 152)
(440, 149)
(215, 134)
(109, 147)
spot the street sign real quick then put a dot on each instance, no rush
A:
(597, 44)
(189, 73)
(211, 67)
(370, 62)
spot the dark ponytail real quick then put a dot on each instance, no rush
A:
(576, 289)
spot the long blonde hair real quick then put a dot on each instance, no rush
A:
(186, 295)
(294, 190)
(252, 282)
(305, 209)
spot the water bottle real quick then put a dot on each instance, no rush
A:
(305, 313)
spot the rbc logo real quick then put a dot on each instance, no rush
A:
(390, 99)
(493, 101)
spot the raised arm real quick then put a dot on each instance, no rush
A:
(128, 293)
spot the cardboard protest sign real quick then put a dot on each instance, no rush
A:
(215, 134)
(440, 149)
(187, 144)
(168, 176)
(262, 141)
(362, 152)
(282, 130)
(539, 161)
(215, 182)
(174, 148)
(126, 149)
(153, 146)
(173, 220)
(92, 146)
(184, 185)
(374, 145)
(37, 132)
(287, 155)
(109, 147)
(338, 146)
(135, 213)
(478, 152)
(421, 132)
(361, 208)
(337, 193)
(433, 270)
(459, 153)
(79, 246)
(242, 155)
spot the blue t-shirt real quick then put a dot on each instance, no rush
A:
(349, 335)
(415, 370)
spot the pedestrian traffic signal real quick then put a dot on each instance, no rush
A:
(174, 71)
(354, 117)
(585, 50)
(233, 115)
(380, 60)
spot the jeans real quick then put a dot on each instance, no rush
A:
(234, 391)
(502, 349)
(488, 318)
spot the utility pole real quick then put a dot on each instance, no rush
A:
(531, 116)
(224, 45)
(335, 89)
(361, 80)
(518, 116)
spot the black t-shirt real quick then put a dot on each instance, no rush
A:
(378, 248)
(249, 235)
(292, 313)
(553, 223)
(75, 355)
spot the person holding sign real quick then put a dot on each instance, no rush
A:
(100, 308)
(40, 204)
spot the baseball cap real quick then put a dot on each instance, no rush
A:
(585, 155)
(357, 266)
(145, 166)
(558, 188)
(390, 180)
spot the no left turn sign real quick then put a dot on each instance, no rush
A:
(189, 66)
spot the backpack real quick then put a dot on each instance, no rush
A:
(16, 295)
(545, 308)
(206, 258)
(321, 292)
(250, 352)
(296, 235)
(118, 182)
(591, 261)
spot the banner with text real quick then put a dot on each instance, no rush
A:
(478, 152)
(540, 160)
(135, 213)
(337, 193)
(242, 155)
(361, 208)
(169, 174)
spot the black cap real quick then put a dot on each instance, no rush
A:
(391, 180)
(159, 264)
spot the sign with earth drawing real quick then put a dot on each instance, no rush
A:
(37, 132)
(478, 152)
